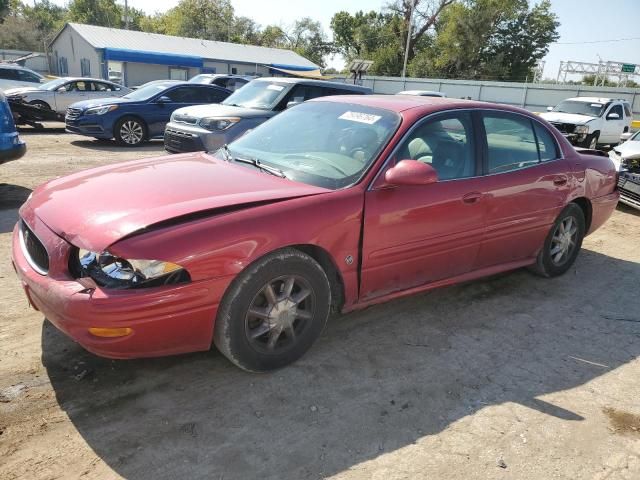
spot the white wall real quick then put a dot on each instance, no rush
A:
(74, 48)
(535, 97)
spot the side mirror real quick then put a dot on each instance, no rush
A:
(293, 103)
(625, 136)
(549, 109)
(163, 99)
(613, 116)
(411, 172)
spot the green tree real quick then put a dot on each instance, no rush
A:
(105, 13)
(46, 17)
(206, 19)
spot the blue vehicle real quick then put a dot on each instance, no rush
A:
(141, 114)
(11, 147)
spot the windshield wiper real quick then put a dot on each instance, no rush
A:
(258, 164)
(227, 154)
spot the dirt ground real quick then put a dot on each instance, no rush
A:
(512, 377)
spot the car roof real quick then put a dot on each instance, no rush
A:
(83, 79)
(421, 92)
(403, 103)
(311, 81)
(595, 99)
(15, 66)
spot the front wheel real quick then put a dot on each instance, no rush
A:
(563, 243)
(591, 141)
(130, 131)
(273, 311)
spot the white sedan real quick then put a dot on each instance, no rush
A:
(58, 94)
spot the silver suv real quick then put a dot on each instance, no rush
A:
(209, 127)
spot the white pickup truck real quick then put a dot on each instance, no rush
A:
(590, 121)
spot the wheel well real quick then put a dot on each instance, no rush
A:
(585, 205)
(336, 282)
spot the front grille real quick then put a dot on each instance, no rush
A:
(34, 250)
(564, 127)
(73, 113)
(177, 141)
(188, 119)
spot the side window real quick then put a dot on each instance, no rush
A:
(547, 146)
(8, 73)
(25, 76)
(83, 86)
(511, 142)
(446, 143)
(101, 87)
(616, 109)
(627, 110)
(188, 94)
(340, 91)
(211, 95)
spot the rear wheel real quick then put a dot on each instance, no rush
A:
(273, 312)
(563, 243)
(130, 131)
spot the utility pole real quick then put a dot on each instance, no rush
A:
(406, 50)
(126, 15)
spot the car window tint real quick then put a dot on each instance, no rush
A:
(211, 95)
(302, 93)
(547, 146)
(25, 76)
(186, 95)
(8, 74)
(510, 141)
(446, 143)
(616, 109)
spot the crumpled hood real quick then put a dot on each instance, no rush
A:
(219, 110)
(24, 90)
(97, 207)
(574, 118)
(628, 149)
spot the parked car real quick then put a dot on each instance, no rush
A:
(13, 75)
(58, 94)
(208, 127)
(590, 121)
(423, 93)
(626, 158)
(11, 147)
(230, 82)
(139, 115)
(334, 205)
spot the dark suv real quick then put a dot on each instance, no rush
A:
(209, 127)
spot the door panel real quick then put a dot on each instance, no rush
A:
(419, 234)
(524, 191)
(521, 207)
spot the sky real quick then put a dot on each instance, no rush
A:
(581, 21)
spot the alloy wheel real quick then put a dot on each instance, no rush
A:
(131, 132)
(279, 313)
(563, 241)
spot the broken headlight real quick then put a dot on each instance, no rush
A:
(110, 271)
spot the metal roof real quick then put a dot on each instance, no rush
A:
(104, 37)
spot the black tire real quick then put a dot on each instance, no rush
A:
(136, 128)
(237, 331)
(591, 141)
(548, 264)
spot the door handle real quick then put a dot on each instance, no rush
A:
(560, 181)
(472, 197)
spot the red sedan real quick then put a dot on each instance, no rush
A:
(333, 205)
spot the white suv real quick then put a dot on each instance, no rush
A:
(12, 75)
(590, 121)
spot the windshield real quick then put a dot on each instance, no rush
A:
(580, 108)
(146, 92)
(326, 144)
(205, 79)
(53, 84)
(635, 137)
(262, 95)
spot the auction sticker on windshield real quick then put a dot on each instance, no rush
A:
(277, 88)
(360, 117)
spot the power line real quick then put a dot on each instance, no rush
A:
(597, 41)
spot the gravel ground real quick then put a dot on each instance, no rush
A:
(512, 377)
